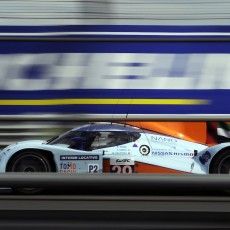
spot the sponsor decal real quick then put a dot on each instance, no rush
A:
(93, 168)
(120, 153)
(205, 157)
(68, 167)
(163, 150)
(122, 165)
(79, 157)
(122, 161)
(144, 150)
(163, 139)
(120, 150)
(192, 167)
(161, 153)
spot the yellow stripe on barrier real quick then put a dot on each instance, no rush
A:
(94, 101)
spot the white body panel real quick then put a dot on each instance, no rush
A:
(149, 148)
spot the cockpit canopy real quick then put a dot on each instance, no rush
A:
(97, 136)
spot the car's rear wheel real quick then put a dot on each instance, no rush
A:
(29, 161)
(221, 163)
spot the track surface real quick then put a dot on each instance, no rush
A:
(113, 202)
(114, 212)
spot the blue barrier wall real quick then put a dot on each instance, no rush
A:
(114, 66)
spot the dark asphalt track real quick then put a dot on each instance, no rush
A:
(115, 202)
(113, 212)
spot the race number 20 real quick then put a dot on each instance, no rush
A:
(122, 168)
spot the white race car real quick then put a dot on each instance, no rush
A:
(114, 148)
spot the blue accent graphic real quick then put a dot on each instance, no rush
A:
(205, 157)
(179, 65)
(34, 71)
(13, 47)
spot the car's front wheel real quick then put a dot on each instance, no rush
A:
(29, 161)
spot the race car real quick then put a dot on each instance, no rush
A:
(114, 148)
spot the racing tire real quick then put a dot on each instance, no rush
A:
(221, 163)
(144, 150)
(29, 161)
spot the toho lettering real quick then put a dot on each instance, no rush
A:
(163, 139)
(79, 157)
(68, 167)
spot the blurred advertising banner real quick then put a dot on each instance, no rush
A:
(115, 70)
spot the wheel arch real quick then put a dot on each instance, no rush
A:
(217, 156)
(47, 153)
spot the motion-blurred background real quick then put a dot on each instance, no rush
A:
(64, 62)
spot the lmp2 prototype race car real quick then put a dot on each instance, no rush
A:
(115, 148)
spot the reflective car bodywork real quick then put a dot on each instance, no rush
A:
(113, 148)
